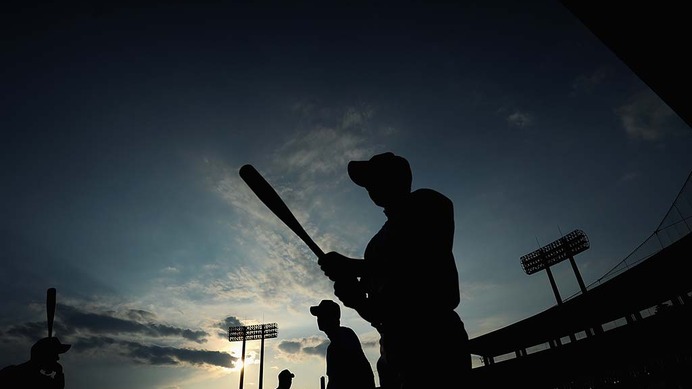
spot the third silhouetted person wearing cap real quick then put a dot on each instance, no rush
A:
(285, 379)
(408, 270)
(347, 365)
(41, 371)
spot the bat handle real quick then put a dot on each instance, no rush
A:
(50, 309)
(315, 249)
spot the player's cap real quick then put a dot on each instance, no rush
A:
(327, 308)
(49, 346)
(386, 167)
(286, 373)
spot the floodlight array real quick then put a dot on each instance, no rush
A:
(567, 246)
(254, 332)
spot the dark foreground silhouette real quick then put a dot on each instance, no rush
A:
(285, 379)
(347, 365)
(407, 272)
(41, 371)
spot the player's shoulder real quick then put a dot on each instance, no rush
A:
(429, 195)
(346, 330)
(9, 368)
(10, 374)
(347, 333)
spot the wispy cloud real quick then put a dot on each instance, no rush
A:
(646, 117)
(629, 176)
(315, 346)
(309, 166)
(135, 335)
(152, 354)
(588, 82)
(77, 320)
(265, 258)
(519, 119)
(72, 321)
(298, 349)
(227, 323)
(157, 355)
(328, 142)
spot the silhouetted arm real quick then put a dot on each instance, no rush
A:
(337, 266)
(352, 294)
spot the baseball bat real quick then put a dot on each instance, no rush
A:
(266, 193)
(50, 309)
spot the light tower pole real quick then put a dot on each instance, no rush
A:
(564, 248)
(244, 333)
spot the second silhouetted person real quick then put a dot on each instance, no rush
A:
(347, 365)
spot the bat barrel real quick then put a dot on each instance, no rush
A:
(266, 193)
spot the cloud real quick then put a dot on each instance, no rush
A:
(519, 119)
(72, 321)
(140, 315)
(317, 346)
(227, 323)
(298, 348)
(230, 321)
(355, 117)
(309, 166)
(31, 330)
(157, 355)
(313, 154)
(95, 322)
(646, 117)
(630, 176)
(586, 83)
(152, 354)
(130, 334)
(325, 144)
(320, 349)
(290, 347)
(314, 346)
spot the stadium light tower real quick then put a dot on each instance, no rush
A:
(244, 333)
(564, 248)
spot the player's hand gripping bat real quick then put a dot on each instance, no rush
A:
(273, 201)
(50, 309)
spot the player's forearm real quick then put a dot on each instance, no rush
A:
(337, 266)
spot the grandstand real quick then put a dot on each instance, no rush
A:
(630, 329)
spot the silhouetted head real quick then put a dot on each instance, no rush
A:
(328, 314)
(47, 350)
(387, 177)
(285, 378)
(286, 374)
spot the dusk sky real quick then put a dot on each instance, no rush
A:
(125, 125)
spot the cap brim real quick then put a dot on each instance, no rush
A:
(63, 348)
(359, 171)
(315, 311)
